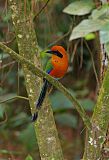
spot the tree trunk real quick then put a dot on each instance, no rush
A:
(97, 141)
(47, 136)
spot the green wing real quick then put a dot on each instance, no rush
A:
(49, 67)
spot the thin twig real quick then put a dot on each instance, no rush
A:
(59, 39)
(7, 65)
(74, 50)
(15, 97)
(3, 79)
(81, 57)
(42, 9)
(11, 40)
(93, 64)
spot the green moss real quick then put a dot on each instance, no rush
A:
(28, 48)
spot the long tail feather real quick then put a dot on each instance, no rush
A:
(42, 94)
(40, 99)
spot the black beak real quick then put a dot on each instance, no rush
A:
(57, 53)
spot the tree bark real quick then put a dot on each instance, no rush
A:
(47, 136)
(96, 140)
(100, 120)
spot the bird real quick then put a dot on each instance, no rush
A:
(56, 67)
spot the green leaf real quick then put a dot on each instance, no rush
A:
(60, 102)
(104, 36)
(18, 120)
(85, 27)
(28, 158)
(28, 138)
(67, 119)
(106, 27)
(80, 7)
(104, 33)
(87, 104)
(90, 36)
(101, 13)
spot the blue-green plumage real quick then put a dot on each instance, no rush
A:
(49, 67)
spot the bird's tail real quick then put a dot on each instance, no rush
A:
(42, 94)
(40, 99)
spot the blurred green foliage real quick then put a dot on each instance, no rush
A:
(74, 9)
(29, 158)
(51, 27)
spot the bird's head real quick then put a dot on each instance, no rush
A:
(58, 51)
(59, 57)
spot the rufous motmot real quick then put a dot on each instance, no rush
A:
(56, 66)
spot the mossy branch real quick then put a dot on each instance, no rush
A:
(97, 147)
(100, 120)
(22, 18)
(37, 71)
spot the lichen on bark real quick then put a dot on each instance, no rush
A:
(96, 139)
(100, 120)
(47, 137)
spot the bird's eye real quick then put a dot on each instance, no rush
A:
(58, 54)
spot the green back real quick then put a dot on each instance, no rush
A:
(49, 66)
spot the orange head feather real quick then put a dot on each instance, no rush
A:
(60, 64)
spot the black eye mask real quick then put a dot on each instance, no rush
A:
(57, 53)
